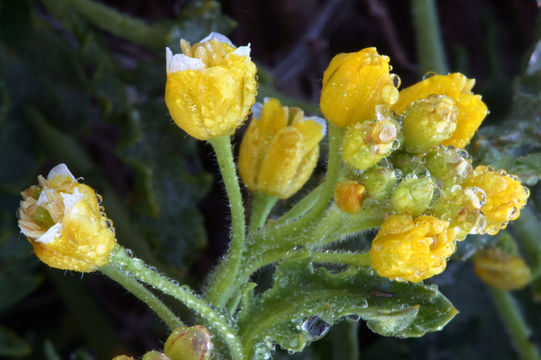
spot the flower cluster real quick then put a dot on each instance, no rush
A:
(405, 150)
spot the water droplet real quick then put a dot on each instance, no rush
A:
(353, 317)
(129, 253)
(316, 327)
(99, 198)
(395, 145)
(429, 74)
(397, 173)
(396, 80)
(283, 281)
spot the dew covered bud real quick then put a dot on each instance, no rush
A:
(505, 196)
(411, 249)
(123, 357)
(413, 195)
(449, 165)
(368, 142)
(428, 122)
(189, 343)
(471, 109)
(408, 163)
(500, 269)
(379, 181)
(348, 196)
(210, 87)
(65, 222)
(155, 355)
(280, 148)
(354, 84)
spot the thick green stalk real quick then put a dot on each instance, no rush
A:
(515, 324)
(220, 289)
(143, 294)
(527, 228)
(214, 320)
(430, 52)
(262, 205)
(121, 25)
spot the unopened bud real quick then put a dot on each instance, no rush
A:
(348, 196)
(502, 270)
(413, 195)
(428, 122)
(155, 355)
(123, 357)
(368, 142)
(408, 163)
(449, 165)
(189, 343)
(379, 181)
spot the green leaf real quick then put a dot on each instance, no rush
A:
(303, 298)
(12, 345)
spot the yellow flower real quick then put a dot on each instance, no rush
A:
(210, 87)
(189, 343)
(471, 109)
(65, 222)
(505, 196)
(354, 84)
(280, 149)
(368, 142)
(501, 270)
(348, 196)
(411, 249)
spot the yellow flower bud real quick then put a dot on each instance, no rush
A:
(411, 249)
(449, 165)
(428, 122)
(368, 142)
(155, 355)
(505, 196)
(65, 222)
(280, 148)
(379, 181)
(413, 195)
(189, 343)
(354, 84)
(348, 196)
(210, 87)
(471, 109)
(502, 270)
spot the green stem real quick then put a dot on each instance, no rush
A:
(262, 205)
(220, 289)
(430, 52)
(216, 322)
(527, 228)
(121, 25)
(143, 294)
(515, 324)
(336, 135)
(300, 207)
(344, 258)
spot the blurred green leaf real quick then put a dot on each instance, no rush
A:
(12, 345)
(304, 302)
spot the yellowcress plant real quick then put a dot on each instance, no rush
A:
(396, 162)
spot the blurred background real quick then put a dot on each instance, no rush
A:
(82, 82)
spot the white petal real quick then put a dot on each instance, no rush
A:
(320, 121)
(257, 109)
(60, 169)
(43, 199)
(217, 36)
(181, 62)
(70, 200)
(243, 51)
(51, 234)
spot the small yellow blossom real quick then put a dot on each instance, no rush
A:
(66, 223)
(189, 343)
(505, 196)
(354, 84)
(501, 270)
(412, 249)
(348, 196)
(280, 149)
(471, 109)
(210, 87)
(368, 142)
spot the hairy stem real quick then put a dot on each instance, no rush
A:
(216, 322)
(515, 324)
(262, 205)
(143, 294)
(430, 52)
(220, 290)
